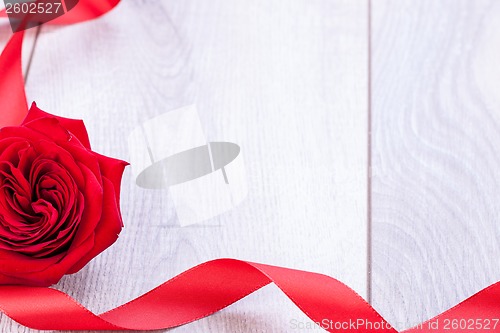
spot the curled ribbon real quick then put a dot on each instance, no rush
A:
(214, 285)
(209, 287)
(13, 103)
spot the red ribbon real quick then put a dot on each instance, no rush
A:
(13, 103)
(211, 286)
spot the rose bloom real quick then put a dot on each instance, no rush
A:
(59, 201)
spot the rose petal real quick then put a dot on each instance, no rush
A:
(49, 274)
(75, 126)
(106, 232)
(112, 169)
(93, 210)
(12, 263)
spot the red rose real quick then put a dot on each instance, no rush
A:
(59, 201)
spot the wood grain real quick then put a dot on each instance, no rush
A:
(436, 128)
(287, 81)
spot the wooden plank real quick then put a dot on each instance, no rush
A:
(436, 124)
(287, 81)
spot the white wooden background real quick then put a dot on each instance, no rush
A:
(298, 85)
(435, 154)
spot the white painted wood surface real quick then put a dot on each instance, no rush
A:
(436, 129)
(287, 81)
